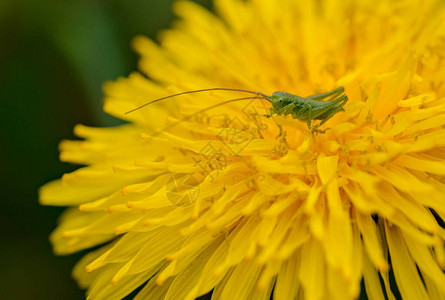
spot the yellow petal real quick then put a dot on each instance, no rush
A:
(428, 266)
(371, 278)
(407, 277)
(189, 276)
(245, 275)
(371, 241)
(287, 284)
(151, 290)
(312, 270)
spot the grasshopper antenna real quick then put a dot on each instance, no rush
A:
(212, 107)
(197, 91)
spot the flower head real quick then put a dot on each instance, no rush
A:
(189, 199)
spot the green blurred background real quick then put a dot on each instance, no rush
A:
(54, 57)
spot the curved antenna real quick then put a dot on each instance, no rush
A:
(195, 91)
(209, 108)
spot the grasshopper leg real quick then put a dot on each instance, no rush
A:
(309, 122)
(341, 102)
(285, 110)
(306, 109)
(333, 93)
(309, 118)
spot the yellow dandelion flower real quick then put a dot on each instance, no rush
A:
(216, 202)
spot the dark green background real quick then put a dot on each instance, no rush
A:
(54, 57)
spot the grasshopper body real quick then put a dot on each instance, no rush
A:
(309, 108)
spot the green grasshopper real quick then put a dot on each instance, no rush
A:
(308, 108)
(305, 109)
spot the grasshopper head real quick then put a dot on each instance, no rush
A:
(280, 99)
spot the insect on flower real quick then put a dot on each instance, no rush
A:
(316, 107)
